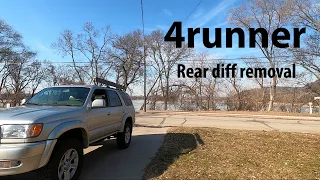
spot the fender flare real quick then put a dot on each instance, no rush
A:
(57, 132)
(64, 127)
(123, 122)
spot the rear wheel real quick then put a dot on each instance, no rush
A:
(65, 162)
(124, 138)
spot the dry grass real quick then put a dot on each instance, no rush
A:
(235, 154)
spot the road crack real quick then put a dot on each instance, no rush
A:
(161, 123)
(185, 120)
(264, 123)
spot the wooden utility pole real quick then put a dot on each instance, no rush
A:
(144, 64)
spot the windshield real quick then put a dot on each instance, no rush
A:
(60, 96)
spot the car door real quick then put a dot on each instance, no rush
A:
(98, 117)
(115, 110)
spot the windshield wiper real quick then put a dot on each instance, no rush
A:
(57, 104)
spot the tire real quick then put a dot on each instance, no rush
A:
(122, 141)
(70, 147)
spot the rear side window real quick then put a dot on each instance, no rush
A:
(114, 99)
(126, 98)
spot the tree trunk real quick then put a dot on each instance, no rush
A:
(272, 93)
(263, 92)
(166, 94)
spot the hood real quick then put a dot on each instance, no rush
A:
(28, 114)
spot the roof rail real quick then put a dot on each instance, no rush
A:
(109, 83)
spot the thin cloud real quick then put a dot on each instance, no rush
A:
(214, 12)
(221, 24)
(167, 12)
(42, 47)
(198, 14)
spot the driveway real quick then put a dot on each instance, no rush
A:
(104, 161)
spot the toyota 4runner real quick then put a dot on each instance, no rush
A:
(50, 130)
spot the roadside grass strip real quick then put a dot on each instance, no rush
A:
(211, 153)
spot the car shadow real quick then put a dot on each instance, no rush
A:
(105, 161)
(175, 145)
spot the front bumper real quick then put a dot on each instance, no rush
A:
(31, 155)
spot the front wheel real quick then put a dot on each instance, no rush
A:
(65, 162)
(124, 138)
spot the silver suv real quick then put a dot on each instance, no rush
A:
(50, 130)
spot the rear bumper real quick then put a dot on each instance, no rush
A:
(30, 155)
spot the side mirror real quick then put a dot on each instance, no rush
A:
(98, 103)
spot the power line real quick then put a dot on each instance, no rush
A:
(193, 10)
(189, 63)
(185, 60)
(244, 58)
(58, 62)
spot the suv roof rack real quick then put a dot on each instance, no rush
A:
(109, 83)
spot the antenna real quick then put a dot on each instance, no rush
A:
(109, 83)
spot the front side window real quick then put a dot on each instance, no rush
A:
(99, 94)
(60, 96)
(114, 99)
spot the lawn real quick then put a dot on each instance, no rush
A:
(211, 153)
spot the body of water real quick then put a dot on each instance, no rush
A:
(221, 106)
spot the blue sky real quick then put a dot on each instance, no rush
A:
(41, 21)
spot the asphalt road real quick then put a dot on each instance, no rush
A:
(231, 121)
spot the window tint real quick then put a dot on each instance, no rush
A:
(126, 98)
(114, 99)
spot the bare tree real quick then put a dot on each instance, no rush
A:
(21, 68)
(40, 73)
(164, 56)
(260, 81)
(200, 91)
(267, 14)
(90, 47)
(235, 93)
(210, 91)
(10, 41)
(61, 75)
(307, 13)
(128, 57)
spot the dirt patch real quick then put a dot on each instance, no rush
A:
(211, 153)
